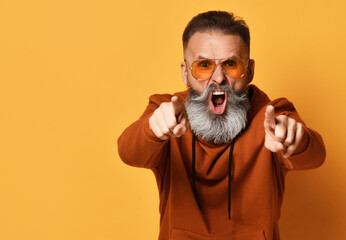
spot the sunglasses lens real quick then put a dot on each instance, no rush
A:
(234, 68)
(202, 69)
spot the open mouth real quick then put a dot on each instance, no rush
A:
(218, 101)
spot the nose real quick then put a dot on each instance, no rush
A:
(218, 75)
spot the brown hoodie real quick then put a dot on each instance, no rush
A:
(257, 175)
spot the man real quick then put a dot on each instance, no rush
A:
(220, 150)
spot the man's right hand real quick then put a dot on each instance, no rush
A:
(169, 119)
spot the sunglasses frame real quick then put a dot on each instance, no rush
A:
(245, 62)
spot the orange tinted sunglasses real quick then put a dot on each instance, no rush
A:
(203, 69)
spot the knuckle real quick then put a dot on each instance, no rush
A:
(301, 133)
(269, 146)
(290, 150)
(288, 141)
(300, 129)
(266, 144)
(283, 119)
(150, 123)
(280, 135)
(166, 131)
(152, 120)
(160, 135)
(299, 126)
(293, 121)
(171, 125)
(157, 132)
(162, 107)
(166, 109)
(164, 104)
(156, 113)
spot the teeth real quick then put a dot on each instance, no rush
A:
(218, 93)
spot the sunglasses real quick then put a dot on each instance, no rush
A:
(203, 69)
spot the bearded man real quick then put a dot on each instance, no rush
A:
(220, 150)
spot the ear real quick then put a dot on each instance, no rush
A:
(184, 72)
(251, 70)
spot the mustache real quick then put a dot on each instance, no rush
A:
(233, 96)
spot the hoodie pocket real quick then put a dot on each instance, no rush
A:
(178, 234)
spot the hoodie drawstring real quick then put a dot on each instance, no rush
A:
(229, 177)
(229, 173)
(194, 171)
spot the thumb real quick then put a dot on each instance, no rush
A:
(178, 105)
(269, 121)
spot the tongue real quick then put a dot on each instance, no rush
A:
(218, 100)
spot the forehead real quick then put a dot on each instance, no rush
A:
(215, 45)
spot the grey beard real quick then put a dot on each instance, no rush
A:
(215, 128)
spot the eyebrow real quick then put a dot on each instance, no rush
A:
(202, 57)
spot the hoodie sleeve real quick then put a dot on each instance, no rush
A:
(137, 145)
(311, 152)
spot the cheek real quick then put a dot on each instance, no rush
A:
(240, 87)
(199, 86)
(240, 84)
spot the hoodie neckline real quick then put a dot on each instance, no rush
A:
(193, 173)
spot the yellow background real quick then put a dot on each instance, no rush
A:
(74, 74)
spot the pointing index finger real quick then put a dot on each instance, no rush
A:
(269, 121)
(178, 106)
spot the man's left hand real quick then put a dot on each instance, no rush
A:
(282, 132)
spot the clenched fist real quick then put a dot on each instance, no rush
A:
(169, 119)
(282, 132)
